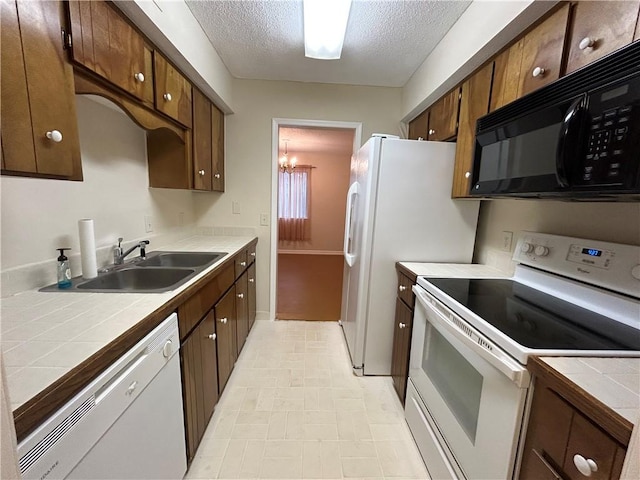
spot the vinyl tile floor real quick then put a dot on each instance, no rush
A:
(292, 409)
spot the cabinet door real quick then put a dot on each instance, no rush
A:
(242, 309)
(217, 158)
(443, 117)
(226, 332)
(252, 295)
(419, 126)
(172, 91)
(209, 358)
(202, 146)
(473, 105)
(506, 76)
(190, 360)
(401, 348)
(105, 43)
(542, 52)
(600, 28)
(39, 126)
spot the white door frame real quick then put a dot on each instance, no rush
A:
(292, 122)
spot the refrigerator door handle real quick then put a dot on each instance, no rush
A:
(350, 257)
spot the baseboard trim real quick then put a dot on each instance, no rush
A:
(310, 252)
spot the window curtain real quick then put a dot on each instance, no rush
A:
(294, 204)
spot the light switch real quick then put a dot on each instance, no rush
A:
(235, 207)
(507, 238)
(264, 219)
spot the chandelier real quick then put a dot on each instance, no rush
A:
(287, 165)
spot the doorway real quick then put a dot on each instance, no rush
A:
(308, 217)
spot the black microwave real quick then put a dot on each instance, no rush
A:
(576, 138)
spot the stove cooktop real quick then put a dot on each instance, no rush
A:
(537, 320)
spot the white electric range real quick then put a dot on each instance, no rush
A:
(468, 384)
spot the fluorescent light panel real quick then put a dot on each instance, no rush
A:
(325, 24)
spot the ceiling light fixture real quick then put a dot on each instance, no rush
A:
(325, 24)
(287, 165)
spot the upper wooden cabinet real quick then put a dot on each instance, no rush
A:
(172, 91)
(443, 117)
(598, 29)
(208, 144)
(506, 76)
(105, 43)
(39, 128)
(474, 103)
(419, 126)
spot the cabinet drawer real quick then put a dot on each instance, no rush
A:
(191, 311)
(404, 290)
(251, 254)
(241, 262)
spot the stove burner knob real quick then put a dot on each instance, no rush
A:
(526, 247)
(635, 272)
(541, 251)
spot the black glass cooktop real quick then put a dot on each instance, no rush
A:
(537, 320)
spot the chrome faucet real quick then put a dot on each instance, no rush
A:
(119, 255)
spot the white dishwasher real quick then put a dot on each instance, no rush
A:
(126, 424)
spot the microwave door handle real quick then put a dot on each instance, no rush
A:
(565, 144)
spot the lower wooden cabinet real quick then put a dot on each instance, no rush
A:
(403, 324)
(242, 309)
(226, 328)
(252, 295)
(564, 437)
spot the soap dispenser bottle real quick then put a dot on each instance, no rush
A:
(64, 272)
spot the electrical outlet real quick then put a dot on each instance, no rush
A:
(235, 207)
(507, 238)
(148, 223)
(264, 219)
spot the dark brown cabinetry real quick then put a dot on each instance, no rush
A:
(242, 309)
(173, 94)
(208, 144)
(226, 327)
(403, 324)
(39, 127)
(597, 30)
(251, 303)
(419, 127)
(443, 117)
(105, 43)
(568, 430)
(474, 103)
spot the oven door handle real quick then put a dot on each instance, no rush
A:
(495, 357)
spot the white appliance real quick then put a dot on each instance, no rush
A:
(468, 385)
(399, 207)
(126, 424)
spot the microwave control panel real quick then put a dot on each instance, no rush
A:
(613, 139)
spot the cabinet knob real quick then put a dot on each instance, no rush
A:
(402, 288)
(431, 131)
(538, 71)
(251, 280)
(167, 97)
(253, 254)
(243, 264)
(55, 135)
(467, 174)
(223, 320)
(241, 295)
(402, 325)
(217, 175)
(212, 336)
(585, 466)
(586, 42)
(139, 77)
(201, 173)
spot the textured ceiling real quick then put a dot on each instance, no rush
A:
(386, 40)
(338, 141)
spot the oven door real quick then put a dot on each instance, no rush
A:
(474, 393)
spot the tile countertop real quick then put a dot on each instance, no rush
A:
(46, 334)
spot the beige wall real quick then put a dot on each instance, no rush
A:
(249, 148)
(39, 215)
(611, 222)
(329, 185)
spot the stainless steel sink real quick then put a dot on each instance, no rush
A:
(180, 259)
(160, 272)
(138, 279)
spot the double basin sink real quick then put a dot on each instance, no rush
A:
(160, 271)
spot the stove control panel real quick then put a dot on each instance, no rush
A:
(610, 265)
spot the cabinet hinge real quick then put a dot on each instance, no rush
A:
(67, 43)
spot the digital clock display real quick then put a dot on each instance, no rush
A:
(592, 252)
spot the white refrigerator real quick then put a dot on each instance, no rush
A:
(399, 208)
